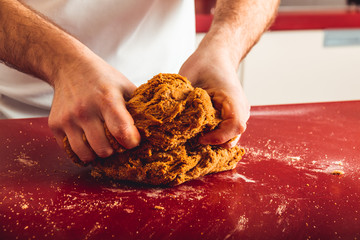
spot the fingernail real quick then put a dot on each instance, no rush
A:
(232, 142)
(134, 139)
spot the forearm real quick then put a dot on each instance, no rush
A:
(238, 25)
(34, 45)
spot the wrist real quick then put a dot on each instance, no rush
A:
(74, 59)
(221, 43)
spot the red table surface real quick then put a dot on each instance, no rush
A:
(284, 188)
(299, 20)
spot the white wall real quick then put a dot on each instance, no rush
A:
(295, 67)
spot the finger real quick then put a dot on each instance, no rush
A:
(232, 142)
(79, 145)
(95, 134)
(227, 130)
(121, 126)
(234, 116)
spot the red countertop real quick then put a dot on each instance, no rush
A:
(299, 20)
(300, 179)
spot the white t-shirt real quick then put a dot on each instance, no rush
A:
(140, 38)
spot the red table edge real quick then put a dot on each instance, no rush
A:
(298, 20)
(253, 108)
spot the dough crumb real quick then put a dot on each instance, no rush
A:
(159, 208)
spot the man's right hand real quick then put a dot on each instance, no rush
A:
(85, 97)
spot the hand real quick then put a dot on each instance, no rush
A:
(86, 97)
(212, 69)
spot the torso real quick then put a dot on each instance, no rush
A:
(140, 38)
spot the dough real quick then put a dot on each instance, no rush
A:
(170, 115)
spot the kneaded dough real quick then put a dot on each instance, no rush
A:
(170, 115)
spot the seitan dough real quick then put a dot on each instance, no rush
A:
(170, 115)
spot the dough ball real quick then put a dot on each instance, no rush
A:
(170, 115)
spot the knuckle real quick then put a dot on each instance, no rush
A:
(65, 120)
(107, 97)
(84, 153)
(85, 156)
(60, 122)
(53, 125)
(54, 122)
(81, 112)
